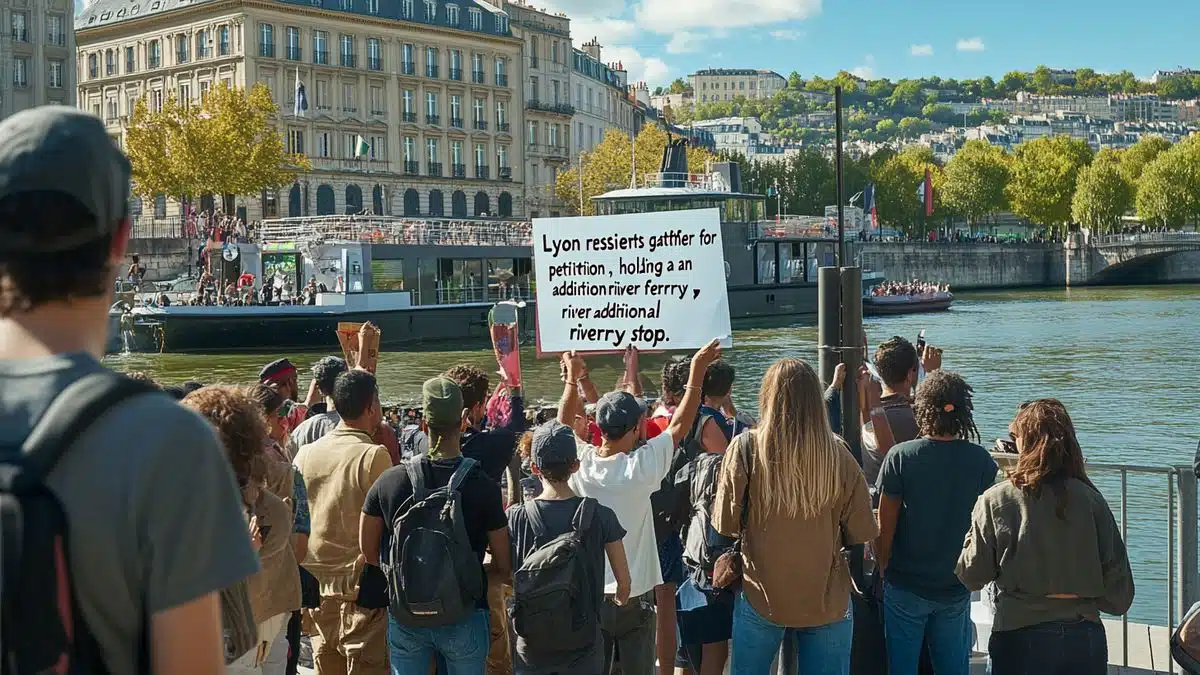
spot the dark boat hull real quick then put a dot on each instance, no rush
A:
(871, 308)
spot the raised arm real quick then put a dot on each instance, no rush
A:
(685, 414)
(569, 406)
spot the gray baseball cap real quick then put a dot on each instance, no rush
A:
(553, 445)
(618, 412)
(60, 149)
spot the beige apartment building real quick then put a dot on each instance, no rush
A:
(432, 86)
(726, 84)
(548, 110)
(37, 47)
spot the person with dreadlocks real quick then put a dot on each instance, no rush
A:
(1049, 541)
(928, 488)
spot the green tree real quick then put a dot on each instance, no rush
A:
(1102, 196)
(898, 179)
(912, 127)
(886, 128)
(1168, 193)
(976, 179)
(1140, 154)
(680, 86)
(1044, 172)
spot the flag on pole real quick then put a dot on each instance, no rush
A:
(869, 204)
(927, 194)
(301, 97)
(361, 147)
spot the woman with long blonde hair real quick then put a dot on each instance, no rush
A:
(793, 495)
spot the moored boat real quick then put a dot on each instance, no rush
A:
(888, 305)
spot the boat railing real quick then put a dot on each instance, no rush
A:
(397, 230)
(708, 182)
(450, 294)
(798, 227)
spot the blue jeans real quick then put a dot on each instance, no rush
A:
(909, 619)
(464, 646)
(820, 650)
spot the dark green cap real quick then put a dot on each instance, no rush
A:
(443, 403)
(61, 149)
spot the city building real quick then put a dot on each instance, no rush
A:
(432, 86)
(37, 54)
(662, 102)
(744, 135)
(726, 84)
(1160, 75)
(1034, 104)
(548, 109)
(1142, 108)
(601, 97)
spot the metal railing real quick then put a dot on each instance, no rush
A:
(709, 182)
(394, 230)
(559, 108)
(148, 227)
(1145, 238)
(450, 294)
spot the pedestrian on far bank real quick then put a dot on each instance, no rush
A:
(928, 489)
(1048, 540)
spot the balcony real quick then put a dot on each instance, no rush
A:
(374, 63)
(321, 57)
(433, 169)
(456, 74)
(504, 128)
(154, 61)
(181, 57)
(477, 77)
(555, 108)
(481, 172)
(408, 117)
(533, 62)
(431, 72)
(295, 54)
(130, 67)
(435, 120)
(266, 50)
(348, 61)
(481, 125)
(378, 112)
(56, 39)
(94, 72)
(501, 80)
(20, 35)
(456, 122)
(349, 109)
(543, 149)
(458, 170)
(408, 68)
(412, 168)
(110, 69)
(506, 173)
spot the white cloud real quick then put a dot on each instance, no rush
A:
(651, 70)
(608, 31)
(787, 34)
(587, 8)
(921, 50)
(867, 70)
(685, 42)
(668, 16)
(970, 45)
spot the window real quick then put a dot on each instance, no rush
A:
(185, 92)
(431, 62)
(378, 106)
(20, 27)
(54, 78)
(93, 69)
(322, 98)
(204, 87)
(456, 110)
(349, 98)
(130, 60)
(502, 24)
(431, 156)
(554, 84)
(181, 49)
(502, 156)
(266, 40)
(347, 51)
(554, 51)
(294, 53)
(156, 100)
(479, 117)
(431, 107)
(430, 10)
(131, 102)
(223, 41)
(452, 15)
(374, 54)
(110, 63)
(480, 155)
(379, 147)
(408, 59)
(410, 149)
(320, 47)
(501, 72)
(476, 18)
(324, 144)
(347, 5)
(456, 65)
(296, 141)
(554, 135)
(477, 68)
(350, 143)
(456, 153)
(501, 116)
(533, 51)
(203, 44)
(407, 101)
(372, 6)
(406, 9)
(533, 133)
(55, 33)
(533, 89)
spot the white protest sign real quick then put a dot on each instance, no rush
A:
(652, 280)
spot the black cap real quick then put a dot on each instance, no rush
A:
(618, 412)
(276, 370)
(553, 445)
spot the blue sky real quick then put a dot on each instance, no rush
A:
(658, 40)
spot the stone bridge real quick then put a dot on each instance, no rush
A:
(1120, 258)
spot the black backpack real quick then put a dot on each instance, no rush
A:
(671, 504)
(42, 629)
(434, 576)
(554, 604)
(702, 545)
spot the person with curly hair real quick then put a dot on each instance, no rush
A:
(928, 489)
(275, 589)
(492, 447)
(1048, 540)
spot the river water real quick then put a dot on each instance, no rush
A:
(1123, 360)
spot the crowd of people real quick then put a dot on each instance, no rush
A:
(910, 288)
(202, 528)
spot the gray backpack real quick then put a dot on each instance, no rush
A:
(434, 576)
(554, 607)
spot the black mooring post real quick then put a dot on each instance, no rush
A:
(829, 322)
(841, 185)
(852, 356)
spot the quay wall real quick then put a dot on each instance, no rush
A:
(164, 259)
(967, 266)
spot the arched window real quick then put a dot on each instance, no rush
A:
(353, 199)
(295, 210)
(482, 204)
(437, 205)
(412, 203)
(325, 201)
(458, 204)
(377, 200)
(505, 206)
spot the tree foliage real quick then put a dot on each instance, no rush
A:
(1169, 190)
(228, 144)
(1044, 172)
(976, 178)
(898, 179)
(1135, 158)
(610, 164)
(1102, 196)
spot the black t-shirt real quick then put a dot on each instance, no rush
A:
(483, 510)
(557, 516)
(492, 448)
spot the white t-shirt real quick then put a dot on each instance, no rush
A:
(624, 483)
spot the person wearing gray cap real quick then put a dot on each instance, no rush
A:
(623, 480)
(539, 523)
(146, 475)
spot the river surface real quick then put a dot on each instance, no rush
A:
(1123, 360)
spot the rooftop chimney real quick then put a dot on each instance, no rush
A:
(592, 48)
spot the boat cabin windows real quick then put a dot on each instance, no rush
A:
(734, 209)
(793, 261)
(387, 275)
(764, 263)
(285, 269)
(509, 279)
(460, 281)
(782, 262)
